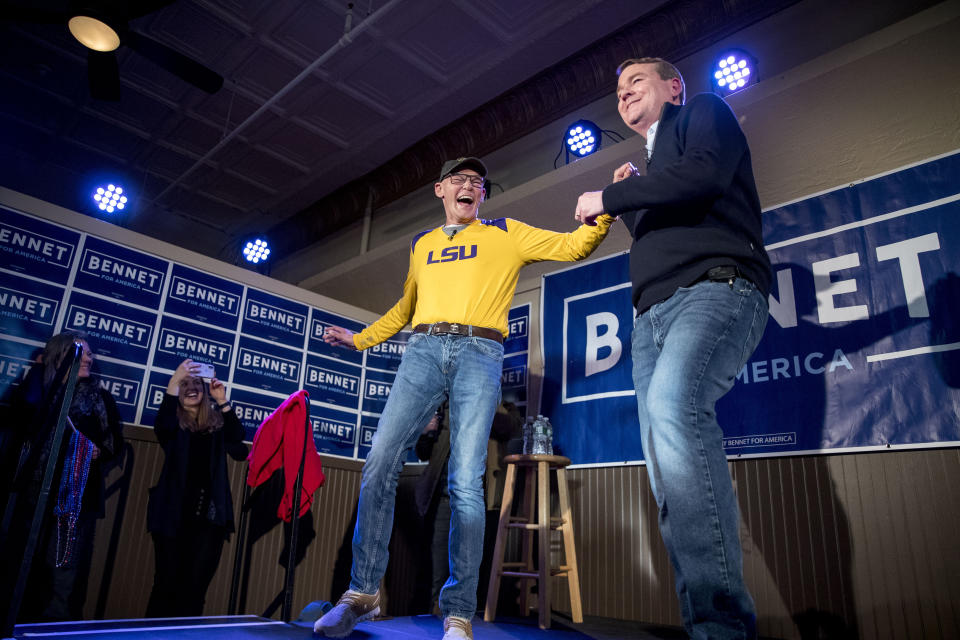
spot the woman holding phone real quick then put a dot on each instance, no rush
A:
(190, 511)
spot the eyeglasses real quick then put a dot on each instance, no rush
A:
(460, 178)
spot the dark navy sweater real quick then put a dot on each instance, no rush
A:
(697, 206)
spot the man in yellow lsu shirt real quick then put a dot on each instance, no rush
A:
(457, 294)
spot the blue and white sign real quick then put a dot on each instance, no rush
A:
(333, 381)
(513, 380)
(518, 330)
(180, 340)
(205, 298)
(112, 270)
(264, 365)
(334, 431)
(156, 387)
(28, 308)
(319, 322)
(41, 249)
(123, 382)
(253, 408)
(386, 355)
(861, 350)
(376, 390)
(115, 329)
(16, 358)
(368, 427)
(274, 318)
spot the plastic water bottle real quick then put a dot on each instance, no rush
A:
(528, 436)
(540, 446)
(549, 435)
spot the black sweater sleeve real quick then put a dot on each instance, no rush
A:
(713, 145)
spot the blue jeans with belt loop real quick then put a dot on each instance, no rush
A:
(687, 351)
(467, 370)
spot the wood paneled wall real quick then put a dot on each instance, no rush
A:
(834, 546)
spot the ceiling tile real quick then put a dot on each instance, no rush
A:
(195, 136)
(257, 165)
(288, 139)
(332, 111)
(388, 79)
(265, 72)
(438, 41)
(309, 30)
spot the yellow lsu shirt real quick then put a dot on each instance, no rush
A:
(470, 278)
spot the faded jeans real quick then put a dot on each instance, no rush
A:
(467, 370)
(687, 351)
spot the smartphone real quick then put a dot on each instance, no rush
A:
(206, 370)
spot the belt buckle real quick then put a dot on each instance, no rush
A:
(455, 328)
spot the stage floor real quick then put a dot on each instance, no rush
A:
(406, 628)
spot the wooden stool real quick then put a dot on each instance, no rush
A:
(537, 470)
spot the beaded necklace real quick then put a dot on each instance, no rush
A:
(76, 468)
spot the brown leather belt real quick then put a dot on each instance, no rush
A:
(440, 328)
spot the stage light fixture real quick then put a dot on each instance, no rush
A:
(734, 71)
(581, 139)
(256, 251)
(110, 198)
(94, 33)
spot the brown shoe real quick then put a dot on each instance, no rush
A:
(351, 608)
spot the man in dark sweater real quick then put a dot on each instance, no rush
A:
(700, 280)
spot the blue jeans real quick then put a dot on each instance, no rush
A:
(467, 370)
(687, 351)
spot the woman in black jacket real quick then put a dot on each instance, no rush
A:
(190, 512)
(93, 439)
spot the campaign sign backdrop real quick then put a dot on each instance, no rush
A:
(334, 431)
(118, 330)
(320, 321)
(38, 248)
(112, 270)
(273, 318)
(156, 386)
(861, 349)
(28, 308)
(123, 382)
(518, 330)
(180, 340)
(333, 381)
(144, 315)
(200, 296)
(264, 365)
(253, 408)
(16, 358)
(376, 390)
(386, 355)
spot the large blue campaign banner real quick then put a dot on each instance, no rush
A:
(861, 349)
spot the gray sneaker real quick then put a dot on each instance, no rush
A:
(455, 628)
(352, 607)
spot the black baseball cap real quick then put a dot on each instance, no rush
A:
(451, 166)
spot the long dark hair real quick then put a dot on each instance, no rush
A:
(56, 349)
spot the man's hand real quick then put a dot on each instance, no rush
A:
(589, 206)
(339, 337)
(624, 171)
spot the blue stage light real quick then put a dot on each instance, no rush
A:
(256, 251)
(581, 139)
(110, 198)
(734, 71)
